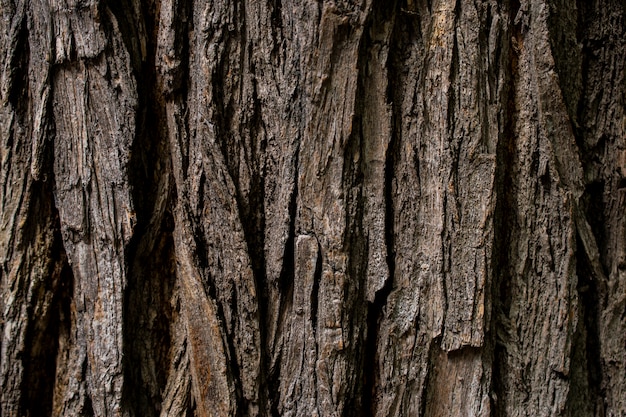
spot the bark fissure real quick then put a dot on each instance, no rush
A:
(375, 308)
(49, 304)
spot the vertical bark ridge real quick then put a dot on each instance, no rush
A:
(33, 273)
(93, 191)
(216, 263)
(403, 340)
(327, 201)
(456, 376)
(375, 120)
(469, 206)
(466, 144)
(542, 288)
(566, 48)
(15, 201)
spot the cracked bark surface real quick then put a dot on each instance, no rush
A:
(312, 208)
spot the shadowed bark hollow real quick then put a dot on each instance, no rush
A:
(312, 208)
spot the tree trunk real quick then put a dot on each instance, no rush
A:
(313, 208)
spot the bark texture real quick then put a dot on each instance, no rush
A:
(312, 208)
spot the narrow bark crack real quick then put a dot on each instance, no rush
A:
(504, 223)
(375, 309)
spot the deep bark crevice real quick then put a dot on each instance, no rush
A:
(585, 395)
(285, 301)
(565, 45)
(150, 253)
(276, 16)
(51, 299)
(251, 205)
(375, 312)
(355, 242)
(148, 314)
(18, 67)
(505, 225)
(285, 287)
(428, 393)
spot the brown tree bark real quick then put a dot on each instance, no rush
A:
(312, 208)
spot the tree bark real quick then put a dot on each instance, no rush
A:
(312, 208)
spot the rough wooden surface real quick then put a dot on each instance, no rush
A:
(312, 208)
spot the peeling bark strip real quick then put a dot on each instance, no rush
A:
(312, 208)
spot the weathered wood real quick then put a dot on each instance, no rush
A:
(312, 208)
